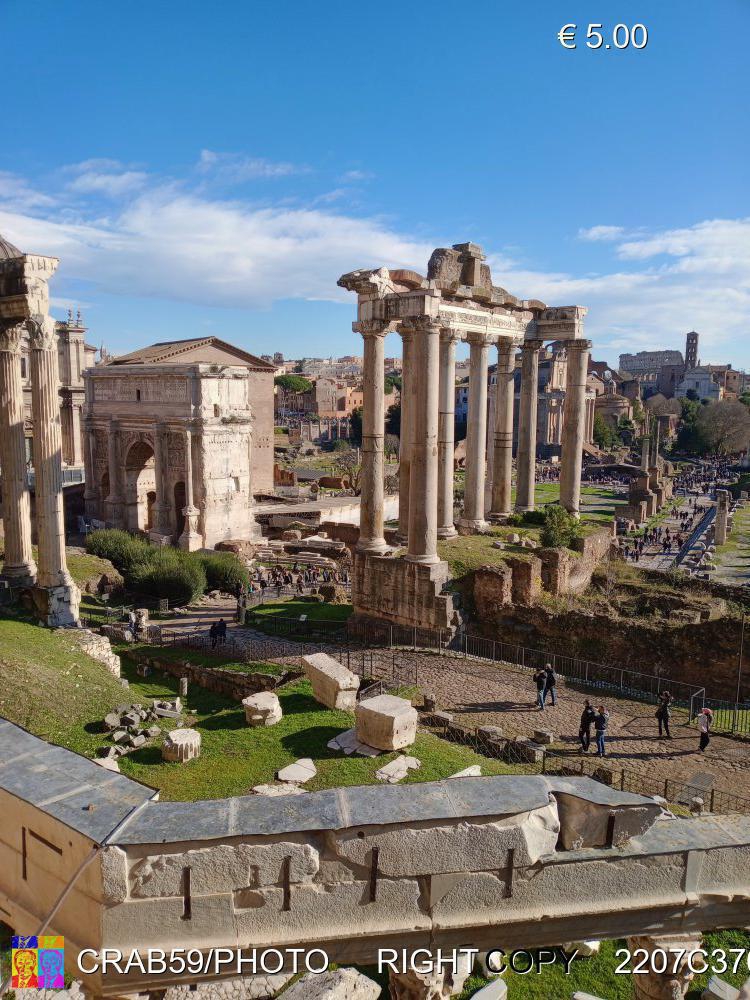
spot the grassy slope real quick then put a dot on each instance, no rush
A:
(315, 611)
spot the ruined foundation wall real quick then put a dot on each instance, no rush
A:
(403, 593)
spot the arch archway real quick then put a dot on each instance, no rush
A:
(140, 486)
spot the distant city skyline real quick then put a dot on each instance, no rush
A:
(222, 184)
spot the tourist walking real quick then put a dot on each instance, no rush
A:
(664, 713)
(601, 721)
(550, 684)
(704, 724)
(212, 635)
(587, 720)
(541, 683)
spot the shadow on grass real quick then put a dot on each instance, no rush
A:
(312, 742)
(224, 720)
(146, 755)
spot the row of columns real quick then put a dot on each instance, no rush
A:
(57, 594)
(427, 433)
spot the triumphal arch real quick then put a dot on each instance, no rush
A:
(179, 436)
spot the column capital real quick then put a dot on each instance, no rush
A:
(578, 345)
(480, 338)
(11, 336)
(450, 335)
(42, 336)
(531, 344)
(421, 324)
(372, 327)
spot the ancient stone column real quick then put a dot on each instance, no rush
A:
(574, 418)
(56, 595)
(502, 463)
(189, 539)
(476, 434)
(527, 411)
(423, 485)
(114, 460)
(675, 981)
(160, 529)
(722, 517)
(373, 428)
(446, 432)
(19, 567)
(407, 401)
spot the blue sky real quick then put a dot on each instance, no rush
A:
(216, 168)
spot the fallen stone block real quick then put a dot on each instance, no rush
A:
(543, 736)
(262, 709)
(166, 713)
(474, 771)
(130, 719)
(585, 996)
(341, 984)
(298, 773)
(442, 718)
(275, 791)
(718, 989)
(333, 685)
(119, 735)
(136, 741)
(386, 722)
(108, 763)
(111, 720)
(524, 751)
(585, 949)
(395, 770)
(496, 990)
(181, 745)
(152, 732)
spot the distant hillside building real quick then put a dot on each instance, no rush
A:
(702, 382)
(646, 365)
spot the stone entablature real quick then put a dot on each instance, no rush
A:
(173, 449)
(353, 869)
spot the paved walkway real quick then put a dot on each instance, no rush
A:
(654, 556)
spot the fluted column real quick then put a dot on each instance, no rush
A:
(446, 432)
(57, 595)
(189, 539)
(574, 418)
(502, 443)
(527, 411)
(423, 485)
(19, 567)
(371, 537)
(114, 464)
(476, 434)
(404, 462)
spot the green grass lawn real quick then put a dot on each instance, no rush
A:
(202, 658)
(56, 691)
(85, 567)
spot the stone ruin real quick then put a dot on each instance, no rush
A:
(386, 722)
(128, 729)
(181, 745)
(333, 685)
(263, 709)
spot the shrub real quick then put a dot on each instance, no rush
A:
(560, 528)
(178, 576)
(535, 518)
(124, 551)
(224, 571)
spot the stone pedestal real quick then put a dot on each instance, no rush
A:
(56, 596)
(476, 435)
(373, 423)
(502, 463)
(181, 745)
(673, 983)
(574, 425)
(527, 415)
(402, 592)
(446, 432)
(19, 568)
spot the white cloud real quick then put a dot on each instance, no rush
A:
(601, 234)
(237, 169)
(353, 176)
(111, 184)
(175, 241)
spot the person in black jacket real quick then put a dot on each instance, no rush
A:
(550, 684)
(587, 720)
(601, 721)
(541, 684)
(663, 713)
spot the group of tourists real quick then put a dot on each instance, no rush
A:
(218, 633)
(299, 577)
(599, 719)
(546, 684)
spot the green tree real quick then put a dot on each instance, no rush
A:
(355, 423)
(293, 383)
(392, 382)
(393, 420)
(604, 436)
(560, 528)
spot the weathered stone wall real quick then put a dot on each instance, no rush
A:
(260, 393)
(230, 683)
(704, 654)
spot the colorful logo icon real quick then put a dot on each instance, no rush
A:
(38, 963)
